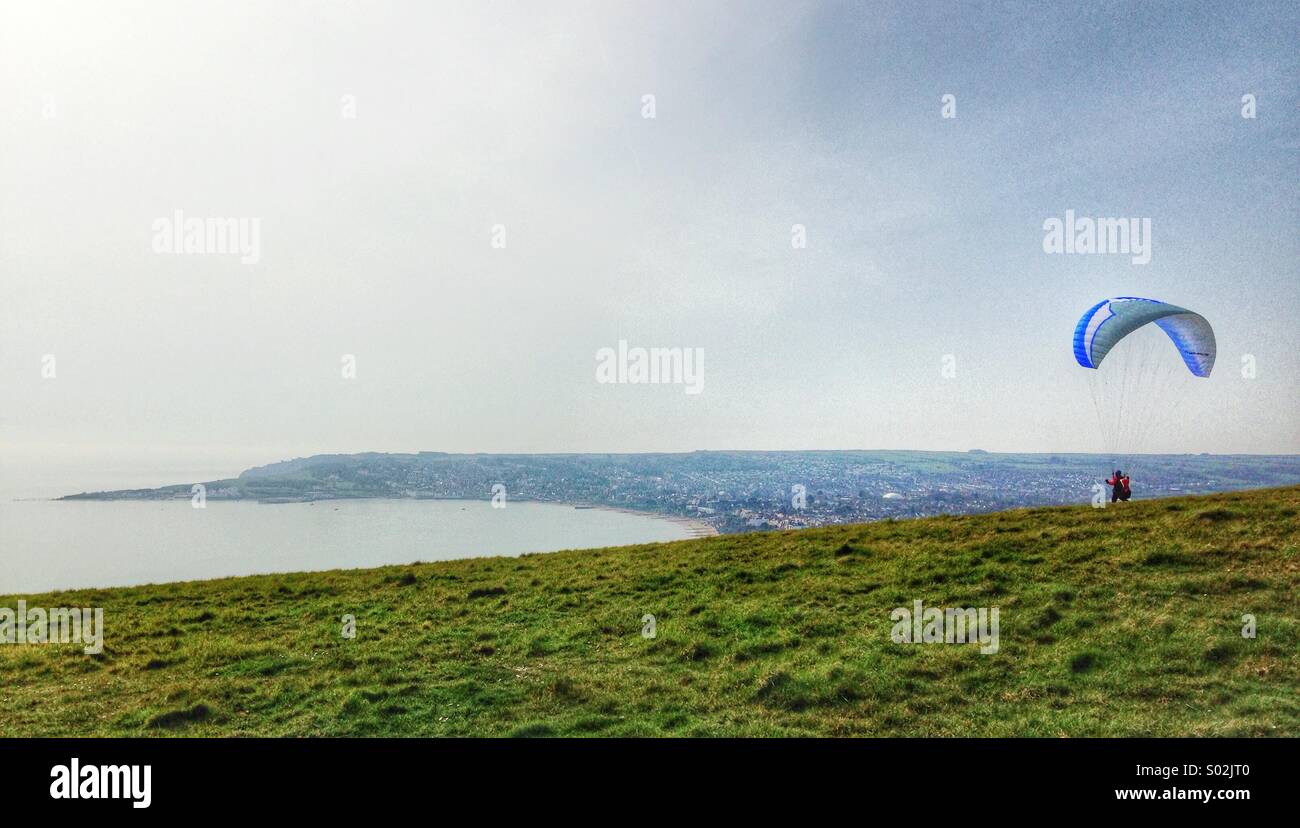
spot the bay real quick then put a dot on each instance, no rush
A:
(48, 545)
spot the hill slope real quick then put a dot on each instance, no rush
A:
(1113, 621)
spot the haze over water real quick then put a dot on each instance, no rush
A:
(49, 545)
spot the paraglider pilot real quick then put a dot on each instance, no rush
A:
(1119, 487)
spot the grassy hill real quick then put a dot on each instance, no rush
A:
(1118, 621)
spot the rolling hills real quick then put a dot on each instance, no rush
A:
(1118, 621)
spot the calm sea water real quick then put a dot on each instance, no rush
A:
(46, 545)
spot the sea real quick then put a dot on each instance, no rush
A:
(47, 544)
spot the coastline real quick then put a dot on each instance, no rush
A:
(379, 531)
(696, 528)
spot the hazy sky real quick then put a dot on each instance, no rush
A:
(924, 234)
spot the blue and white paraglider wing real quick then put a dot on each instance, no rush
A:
(1110, 320)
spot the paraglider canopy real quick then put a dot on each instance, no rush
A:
(1141, 391)
(1110, 320)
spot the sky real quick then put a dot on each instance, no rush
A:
(468, 202)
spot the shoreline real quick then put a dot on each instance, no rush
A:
(692, 530)
(695, 528)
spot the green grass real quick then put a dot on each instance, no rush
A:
(1116, 621)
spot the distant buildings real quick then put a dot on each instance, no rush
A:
(745, 491)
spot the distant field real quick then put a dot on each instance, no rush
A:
(1118, 621)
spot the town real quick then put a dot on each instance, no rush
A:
(741, 491)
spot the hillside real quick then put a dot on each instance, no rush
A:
(1118, 621)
